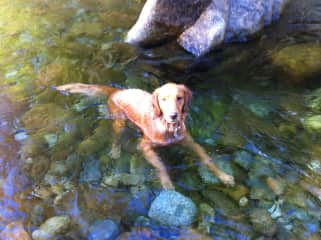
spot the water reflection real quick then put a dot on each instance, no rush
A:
(256, 108)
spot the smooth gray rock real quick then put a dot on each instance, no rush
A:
(173, 209)
(200, 25)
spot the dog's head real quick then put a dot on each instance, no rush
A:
(171, 102)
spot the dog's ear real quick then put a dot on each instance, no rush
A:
(187, 97)
(156, 108)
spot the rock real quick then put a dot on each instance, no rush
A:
(262, 222)
(206, 218)
(57, 168)
(37, 214)
(52, 227)
(315, 166)
(201, 25)
(51, 139)
(220, 201)
(312, 189)
(312, 123)
(246, 18)
(209, 29)
(244, 159)
(173, 209)
(298, 60)
(313, 100)
(160, 20)
(14, 231)
(91, 171)
(277, 8)
(50, 117)
(124, 179)
(103, 230)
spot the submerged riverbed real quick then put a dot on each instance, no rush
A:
(256, 109)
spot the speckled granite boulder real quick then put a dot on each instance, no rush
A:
(246, 18)
(160, 20)
(209, 29)
(201, 25)
(173, 209)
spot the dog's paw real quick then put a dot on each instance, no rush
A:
(167, 183)
(227, 179)
(115, 151)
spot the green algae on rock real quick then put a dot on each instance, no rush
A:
(299, 60)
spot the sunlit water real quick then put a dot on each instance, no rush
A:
(256, 109)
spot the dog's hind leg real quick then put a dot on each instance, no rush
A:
(118, 126)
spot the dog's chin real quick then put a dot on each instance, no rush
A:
(171, 122)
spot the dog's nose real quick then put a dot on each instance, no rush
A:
(173, 116)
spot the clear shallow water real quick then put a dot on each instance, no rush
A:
(256, 108)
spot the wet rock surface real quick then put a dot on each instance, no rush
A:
(52, 227)
(202, 25)
(103, 230)
(173, 209)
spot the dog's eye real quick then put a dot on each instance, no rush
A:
(179, 98)
(163, 99)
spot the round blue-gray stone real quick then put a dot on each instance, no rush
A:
(173, 209)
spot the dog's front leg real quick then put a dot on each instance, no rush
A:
(206, 159)
(151, 156)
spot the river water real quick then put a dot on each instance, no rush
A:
(256, 109)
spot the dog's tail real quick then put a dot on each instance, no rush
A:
(87, 89)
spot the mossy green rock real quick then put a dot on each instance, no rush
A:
(312, 123)
(299, 60)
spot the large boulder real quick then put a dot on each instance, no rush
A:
(201, 25)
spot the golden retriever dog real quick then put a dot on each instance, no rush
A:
(160, 116)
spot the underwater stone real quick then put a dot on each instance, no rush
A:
(103, 230)
(20, 136)
(51, 228)
(298, 60)
(312, 123)
(91, 171)
(244, 159)
(262, 222)
(125, 179)
(173, 209)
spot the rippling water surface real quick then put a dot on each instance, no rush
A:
(256, 109)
